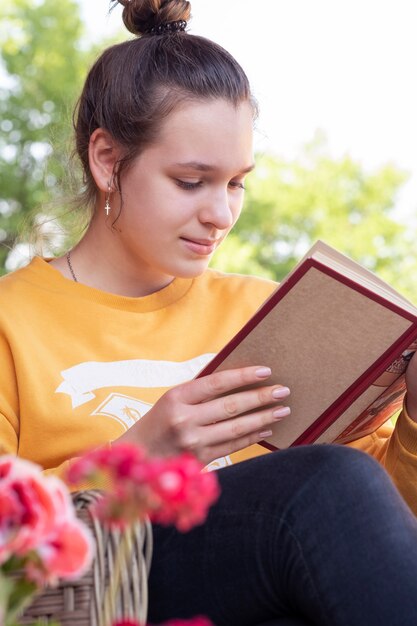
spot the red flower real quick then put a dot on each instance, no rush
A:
(27, 507)
(183, 491)
(120, 461)
(38, 523)
(65, 554)
(168, 490)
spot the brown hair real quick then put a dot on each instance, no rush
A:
(134, 85)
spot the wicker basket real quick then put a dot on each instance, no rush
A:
(80, 602)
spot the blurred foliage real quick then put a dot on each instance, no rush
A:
(42, 68)
(289, 204)
(43, 61)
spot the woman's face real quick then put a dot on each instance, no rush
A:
(184, 193)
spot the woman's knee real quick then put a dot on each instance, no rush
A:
(341, 481)
(343, 470)
(326, 474)
(316, 473)
(342, 462)
(330, 463)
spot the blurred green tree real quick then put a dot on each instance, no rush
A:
(291, 204)
(43, 61)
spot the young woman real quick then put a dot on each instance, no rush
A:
(102, 344)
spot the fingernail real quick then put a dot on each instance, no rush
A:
(280, 392)
(282, 412)
(263, 372)
(266, 433)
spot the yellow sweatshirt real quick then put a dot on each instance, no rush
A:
(80, 366)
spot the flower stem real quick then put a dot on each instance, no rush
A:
(121, 563)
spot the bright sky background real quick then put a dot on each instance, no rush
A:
(344, 67)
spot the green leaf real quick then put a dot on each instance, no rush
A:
(16, 593)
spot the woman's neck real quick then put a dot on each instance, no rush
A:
(99, 261)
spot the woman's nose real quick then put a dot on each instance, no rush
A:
(218, 212)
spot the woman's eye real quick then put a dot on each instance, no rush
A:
(236, 184)
(186, 185)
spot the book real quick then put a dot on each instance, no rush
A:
(340, 338)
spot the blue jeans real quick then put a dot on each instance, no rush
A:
(310, 535)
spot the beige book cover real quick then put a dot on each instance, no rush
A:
(339, 338)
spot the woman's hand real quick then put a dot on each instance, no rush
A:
(411, 382)
(192, 417)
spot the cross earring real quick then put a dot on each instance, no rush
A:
(107, 206)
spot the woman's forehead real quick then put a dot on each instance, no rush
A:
(201, 133)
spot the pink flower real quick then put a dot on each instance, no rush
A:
(183, 491)
(67, 553)
(168, 490)
(38, 523)
(120, 461)
(27, 507)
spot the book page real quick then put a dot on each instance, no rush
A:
(337, 260)
(376, 405)
(366, 414)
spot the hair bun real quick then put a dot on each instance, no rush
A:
(141, 16)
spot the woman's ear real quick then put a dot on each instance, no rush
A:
(103, 154)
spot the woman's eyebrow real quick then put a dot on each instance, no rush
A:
(206, 167)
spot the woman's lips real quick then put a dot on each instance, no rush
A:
(203, 247)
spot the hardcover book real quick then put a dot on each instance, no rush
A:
(340, 339)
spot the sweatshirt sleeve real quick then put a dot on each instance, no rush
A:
(9, 401)
(9, 412)
(9, 439)
(9, 444)
(396, 449)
